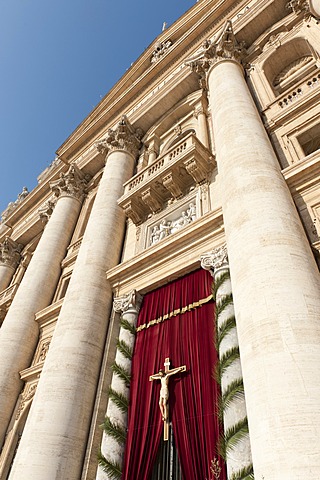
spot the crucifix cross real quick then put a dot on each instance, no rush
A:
(164, 376)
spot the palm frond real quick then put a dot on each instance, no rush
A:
(111, 468)
(128, 326)
(119, 399)
(125, 349)
(233, 391)
(122, 373)
(225, 301)
(246, 473)
(218, 282)
(234, 434)
(115, 431)
(227, 326)
(227, 359)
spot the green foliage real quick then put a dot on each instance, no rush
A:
(115, 431)
(223, 304)
(125, 349)
(112, 469)
(233, 391)
(122, 373)
(246, 473)
(225, 327)
(235, 433)
(219, 282)
(128, 326)
(119, 399)
(225, 361)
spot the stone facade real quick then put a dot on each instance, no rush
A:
(215, 140)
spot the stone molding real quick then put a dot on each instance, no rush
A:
(123, 137)
(10, 253)
(130, 301)
(211, 52)
(216, 259)
(71, 184)
(28, 394)
(161, 48)
(13, 205)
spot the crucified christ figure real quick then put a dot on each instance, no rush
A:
(163, 376)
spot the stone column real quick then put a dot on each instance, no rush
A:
(275, 280)
(19, 331)
(10, 255)
(128, 306)
(233, 406)
(54, 440)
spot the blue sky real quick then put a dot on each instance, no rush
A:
(57, 60)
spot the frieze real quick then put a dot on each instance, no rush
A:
(165, 227)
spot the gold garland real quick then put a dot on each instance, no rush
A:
(176, 312)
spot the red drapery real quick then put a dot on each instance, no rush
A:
(187, 339)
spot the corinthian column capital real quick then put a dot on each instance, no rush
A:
(130, 301)
(216, 259)
(298, 6)
(123, 137)
(211, 52)
(70, 184)
(10, 253)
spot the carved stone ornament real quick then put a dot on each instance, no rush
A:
(216, 259)
(160, 50)
(44, 350)
(71, 184)
(132, 300)
(298, 6)
(28, 394)
(123, 137)
(13, 205)
(10, 253)
(45, 211)
(225, 47)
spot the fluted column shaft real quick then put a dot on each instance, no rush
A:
(19, 331)
(54, 441)
(275, 285)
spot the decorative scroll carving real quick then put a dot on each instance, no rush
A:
(28, 394)
(124, 137)
(298, 6)
(167, 227)
(172, 183)
(130, 301)
(225, 47)
(71, 184)
(198, 173)
(13, 205)
(133, 212)
(161, 48)
(10, 253)
(151, 199)
(216, 259)
(45, 211)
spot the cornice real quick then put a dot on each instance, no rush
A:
(185, 34)
(303, 175)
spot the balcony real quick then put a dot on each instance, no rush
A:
(171, 176)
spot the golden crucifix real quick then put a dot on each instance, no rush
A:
(164, 376)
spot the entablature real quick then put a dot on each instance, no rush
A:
(170, 176)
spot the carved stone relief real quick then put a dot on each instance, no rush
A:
(161, 48)
(177, 221)
(27, 394)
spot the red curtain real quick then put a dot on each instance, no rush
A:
(187, 339)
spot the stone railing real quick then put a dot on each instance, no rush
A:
(171, 176)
